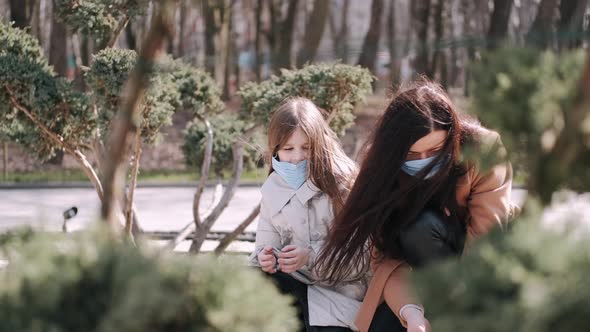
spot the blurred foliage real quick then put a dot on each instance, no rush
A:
(52, 100)
(528, 96)
(531, 278)
(227, 129)
(336, 88)
(98, 18)
(87, 282)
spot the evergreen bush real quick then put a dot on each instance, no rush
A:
(87, 282)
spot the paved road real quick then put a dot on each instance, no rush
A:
(160, 209)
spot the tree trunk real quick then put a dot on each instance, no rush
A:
(134, 172)
(340, 35)
(420, 20)
(541, 33)
(499, 23)
(125, 123)
(226, 42)
(284, 37)
(209, 36)
(4, 11)
(468, 14)
(571, 23)
(130, 37)
(371, 41)
(438, 36)
(257, 40)
(35, 20)
(314, 30)
(229, 238)
(394, 54)
(184, 10)
(58, 58)
(439, 58)
(5, 161)
(58, 54)
(19, 13)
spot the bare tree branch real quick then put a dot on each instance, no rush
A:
(238, 162)
(229, 238)
(206, 165)
(132, 185)
(120, 26)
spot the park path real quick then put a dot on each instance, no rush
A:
(159, 208)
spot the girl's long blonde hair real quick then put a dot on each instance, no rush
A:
(330, 169)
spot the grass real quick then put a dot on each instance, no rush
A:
(148, 176)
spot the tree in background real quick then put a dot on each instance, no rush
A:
(371, 42)
(32, 88)
(314, 30)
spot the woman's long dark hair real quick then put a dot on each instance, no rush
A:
(384, 199)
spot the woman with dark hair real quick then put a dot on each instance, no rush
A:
(422, 192)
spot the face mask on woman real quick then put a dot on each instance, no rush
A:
(413, 167)
(294, 174)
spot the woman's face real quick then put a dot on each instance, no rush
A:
(428, 145)
(296, 148)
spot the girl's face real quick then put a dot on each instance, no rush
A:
(428, 145)
(296, 148)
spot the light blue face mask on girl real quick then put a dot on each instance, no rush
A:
(413, 167)
(294, 174)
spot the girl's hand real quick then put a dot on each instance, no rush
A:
(292, 258)
(267, 260)
(416, 321)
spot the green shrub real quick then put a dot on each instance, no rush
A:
(106, 78)
(51, 100)
(86, 282)
(531, 278)
(336, 88)
(226, 130)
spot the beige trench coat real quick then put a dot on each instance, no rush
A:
(302, 217)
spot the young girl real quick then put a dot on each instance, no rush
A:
(309, 178)
(422, 192)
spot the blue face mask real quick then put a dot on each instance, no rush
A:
(294, 174)
(413, 167)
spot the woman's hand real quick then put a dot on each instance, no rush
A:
(267, 260)
(416, 321)
(292, 258)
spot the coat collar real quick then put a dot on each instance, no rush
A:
(277, 193)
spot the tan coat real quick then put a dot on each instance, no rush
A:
(486, 200)
(302, 217)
